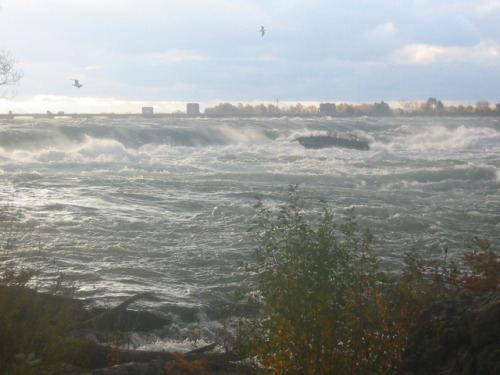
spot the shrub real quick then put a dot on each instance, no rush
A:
(320, 287)
(477, 272)
(182, 366)
(329, 309)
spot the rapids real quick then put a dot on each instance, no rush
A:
(120, 206)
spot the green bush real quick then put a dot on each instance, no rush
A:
(320, 285)
(327, 306)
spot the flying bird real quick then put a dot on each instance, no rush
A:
(77, 84)
(262, 30)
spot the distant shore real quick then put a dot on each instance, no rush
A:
(12, 116)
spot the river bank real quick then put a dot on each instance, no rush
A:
(457, 335)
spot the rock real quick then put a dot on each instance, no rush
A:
(128, 320)
(155, 363)
(456, 336)
(89, 325)
(155, 367)
(325, 141)
(203, 349)
(119, 318)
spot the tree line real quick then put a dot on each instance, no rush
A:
(431, 107)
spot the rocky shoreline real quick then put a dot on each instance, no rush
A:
(121, 321)
(455, 336)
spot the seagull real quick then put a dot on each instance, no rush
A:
(262, 30)
(77, 84)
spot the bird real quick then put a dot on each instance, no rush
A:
(77, 84)
(262, 30)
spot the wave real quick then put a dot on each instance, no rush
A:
(201, 132)
(147, 141)
(129, 134)
(444, 136)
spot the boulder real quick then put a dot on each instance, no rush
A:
(119, 318)
(326, 141)
(155, 367)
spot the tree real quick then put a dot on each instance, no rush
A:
(297, 109)
(432, 105)
(245, 109)
(273, 110)
(483, 106)
(224, 109)
(9, 75)
(363, 109)
(260, 109)
(381, 109)
(345, 109)
(410, 107)
(312, 109)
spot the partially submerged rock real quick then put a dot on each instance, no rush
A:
(154, 367)
(325, 141)
(120, 318)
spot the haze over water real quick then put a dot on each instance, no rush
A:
(122, 206)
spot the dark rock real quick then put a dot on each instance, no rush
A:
(186, 314)
(325, 141)
(120, 319)
(154, 363)
(155, 367)
(457, 336)
(203, 349)
(97, 323)
(128, 320)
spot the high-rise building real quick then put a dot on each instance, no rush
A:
(193, 109)
(147, 111)
(327, 108)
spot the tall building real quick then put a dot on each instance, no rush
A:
(193, 109)
(147, 111)
(327, 108)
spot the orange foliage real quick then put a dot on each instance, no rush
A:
(182, 366)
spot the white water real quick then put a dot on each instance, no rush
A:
(133, 205)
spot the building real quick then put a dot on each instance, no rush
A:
(327, 108)
(147, 111)
(193, 109)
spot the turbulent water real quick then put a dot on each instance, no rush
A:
(120, 206)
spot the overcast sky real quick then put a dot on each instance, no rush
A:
(130, 53)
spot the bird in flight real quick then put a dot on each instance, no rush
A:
(77, 84)
(262, 30)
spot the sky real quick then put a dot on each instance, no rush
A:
(164, 53)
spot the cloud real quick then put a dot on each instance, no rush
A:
(383, 30)
(205, 49)
(489, 7)
(418, 54)
(70, 104)
(172, 56)
(486, 52)
(93, 67)
(441, 29)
